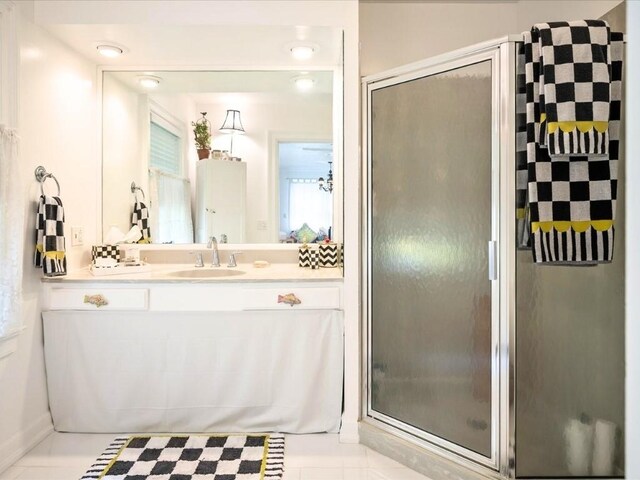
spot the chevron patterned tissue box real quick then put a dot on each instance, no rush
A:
(304, 256)
(328, 255)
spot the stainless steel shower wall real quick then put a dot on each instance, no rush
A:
(570, 358)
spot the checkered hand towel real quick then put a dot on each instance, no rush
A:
(523, 222)
(571, 199)
(575, 66)
(140, 217)
(50, 248)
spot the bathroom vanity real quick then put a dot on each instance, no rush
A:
(177, 350)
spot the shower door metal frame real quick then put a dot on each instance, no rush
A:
(502, 55)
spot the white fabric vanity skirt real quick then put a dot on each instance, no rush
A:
(195, 372)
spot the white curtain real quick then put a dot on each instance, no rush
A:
(11, 234)
(308, 204)
(170, 208)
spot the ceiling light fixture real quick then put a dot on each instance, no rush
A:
(110, 51)
(304, 84)
(301, 49)
(302, 52)
(326, 185)
(149, 81)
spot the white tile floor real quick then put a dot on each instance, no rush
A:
(66, 456)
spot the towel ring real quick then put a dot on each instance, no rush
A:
(42, 175)
(134, 190)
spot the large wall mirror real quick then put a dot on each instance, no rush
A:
(277, 181)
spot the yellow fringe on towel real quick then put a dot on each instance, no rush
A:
(584, 127)
(577, 226)
(567, 127)
(55, 255)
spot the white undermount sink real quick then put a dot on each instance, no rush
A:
(207, 273)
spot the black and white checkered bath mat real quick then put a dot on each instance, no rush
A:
(191, 457)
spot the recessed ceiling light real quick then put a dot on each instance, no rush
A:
(301, 49)
(302, 52)
(110, 51)
(149, 81)
(304, 84)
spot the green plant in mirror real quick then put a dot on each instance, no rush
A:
(202, 132)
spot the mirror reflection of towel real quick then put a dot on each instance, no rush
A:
(140, 218)
(50, 254)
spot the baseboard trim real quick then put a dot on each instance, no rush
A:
(423, 461)
(17, 446)
(349, 432)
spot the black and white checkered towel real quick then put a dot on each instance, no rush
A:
(575, 64)
(571, 199)
(523, 221)
(140, 217)
(50, 252)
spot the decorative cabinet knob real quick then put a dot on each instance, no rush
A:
(290, 299)
(98, 300)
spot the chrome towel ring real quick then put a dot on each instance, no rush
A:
(42, 175)
(134, 190)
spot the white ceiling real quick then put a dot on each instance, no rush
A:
(203, 45)
(312, 158)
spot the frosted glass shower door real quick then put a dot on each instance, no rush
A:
(433, 313)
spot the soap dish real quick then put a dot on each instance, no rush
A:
(119, 269)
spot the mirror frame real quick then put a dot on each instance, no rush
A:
(274, 136)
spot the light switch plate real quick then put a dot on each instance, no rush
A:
(77, 236)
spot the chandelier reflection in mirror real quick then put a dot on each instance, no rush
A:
(327, 185)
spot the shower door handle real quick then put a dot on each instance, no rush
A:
(493, 256)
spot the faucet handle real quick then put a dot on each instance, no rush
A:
(232, 259)
(199, 261)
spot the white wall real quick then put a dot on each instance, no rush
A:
(58, 130)
(261, 121)
(633, 253)
(122, 152)
(394, 33)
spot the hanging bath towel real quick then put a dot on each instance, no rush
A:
(523, 222)
(140, 217)
(50, 254)
(575, 97)
(571, 199)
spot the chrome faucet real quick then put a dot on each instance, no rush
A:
(232, 259)
(199, 262)
(215, 257)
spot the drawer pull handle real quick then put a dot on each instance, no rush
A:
(290, 299)
(98, 300)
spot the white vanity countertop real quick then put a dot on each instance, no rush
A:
(165, 273)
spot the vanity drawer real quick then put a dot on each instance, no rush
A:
(93, 298)
(311, 298)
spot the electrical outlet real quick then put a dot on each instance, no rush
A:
(262, 225)
(77, 236)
